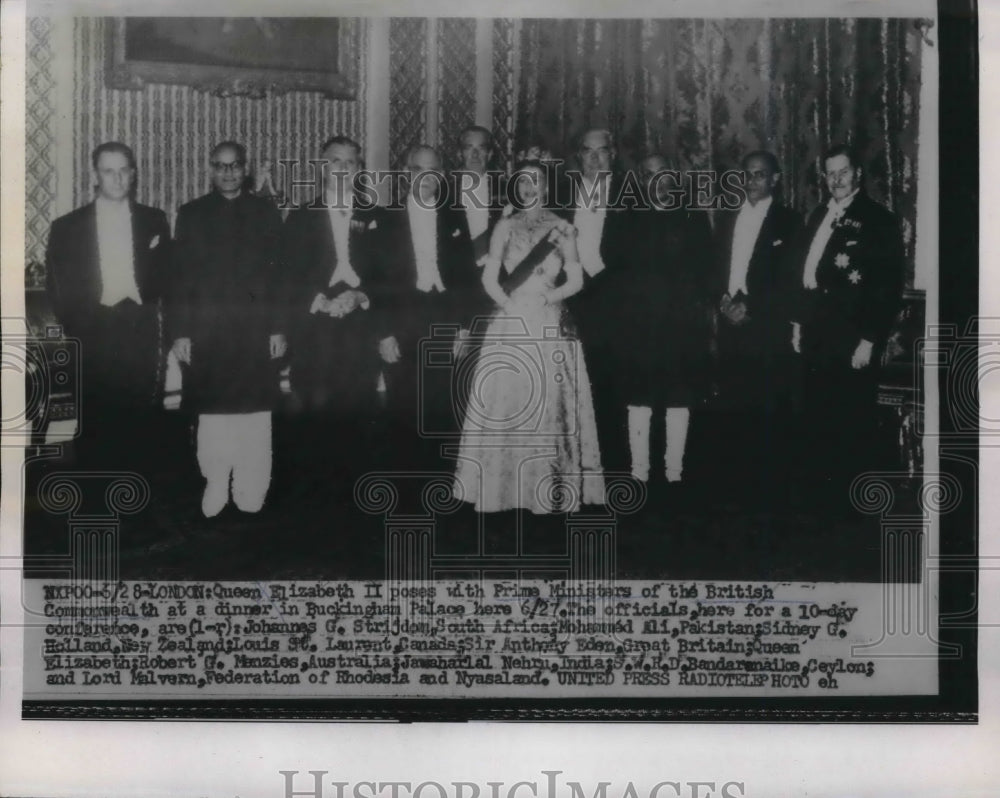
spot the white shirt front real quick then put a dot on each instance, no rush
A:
(423, 230)
(477, 207)
(834, 211)
(589, 222)
(116, 252)
(748, 223)
(340, 223)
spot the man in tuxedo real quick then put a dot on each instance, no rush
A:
(228, 324)
(330, 250)
(754, 349)
(849, 289)
(478, 196)
(477, 193)
(106, 268)
(427, 286)
(604, 227)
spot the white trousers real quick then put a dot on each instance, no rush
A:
(234, 447)
(638, 441)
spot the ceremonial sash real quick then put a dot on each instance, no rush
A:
(515, 279)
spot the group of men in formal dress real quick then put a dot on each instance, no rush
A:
(368, 313)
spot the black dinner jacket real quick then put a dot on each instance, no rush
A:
(214, 271)
(497, 203)
(593, 308)
(617, 235)
(859, 277)
(311, 256)
(769, 274)
(72, 261)
(397, 294)
(479, 301)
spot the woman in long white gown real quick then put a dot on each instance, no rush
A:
(529, 439)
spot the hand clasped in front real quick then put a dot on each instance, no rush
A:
(341, 305)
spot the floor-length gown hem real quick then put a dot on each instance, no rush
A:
(529, 440)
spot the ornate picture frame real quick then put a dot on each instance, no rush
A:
(282, 66)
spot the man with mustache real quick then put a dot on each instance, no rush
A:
(849, 290)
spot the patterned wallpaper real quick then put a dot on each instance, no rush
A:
(505, 54)
(171, 128)
(454, 88)
(456, 41)
(407, 85)
(700, 91)
(705, 91)
(39, 154)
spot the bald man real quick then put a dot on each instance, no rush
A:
(752, 284)
(427, 284)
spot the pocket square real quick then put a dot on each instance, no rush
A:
(373, 225)
(154, 242)
(777, 242)
(850, 243)
(456, 233)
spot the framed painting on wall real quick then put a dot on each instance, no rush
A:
(252, 56)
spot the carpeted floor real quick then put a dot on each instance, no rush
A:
(312, 528)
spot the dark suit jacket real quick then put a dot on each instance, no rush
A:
(594, 307)
(661, 298)
(335, 360)
(617, 223)
(405, 312)
(497, 202)
(311, 255)
(859, 281)
(73, 270)
(755, 357)
(478, 296)
(770, 271)
(228, 298)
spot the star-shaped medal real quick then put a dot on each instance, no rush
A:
(854, 276)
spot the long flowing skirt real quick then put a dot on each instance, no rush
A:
(529, 439)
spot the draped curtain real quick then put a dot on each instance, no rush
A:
(704, 92)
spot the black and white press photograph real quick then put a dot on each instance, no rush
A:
(508, 276)
(606, 362)
(612, 365)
